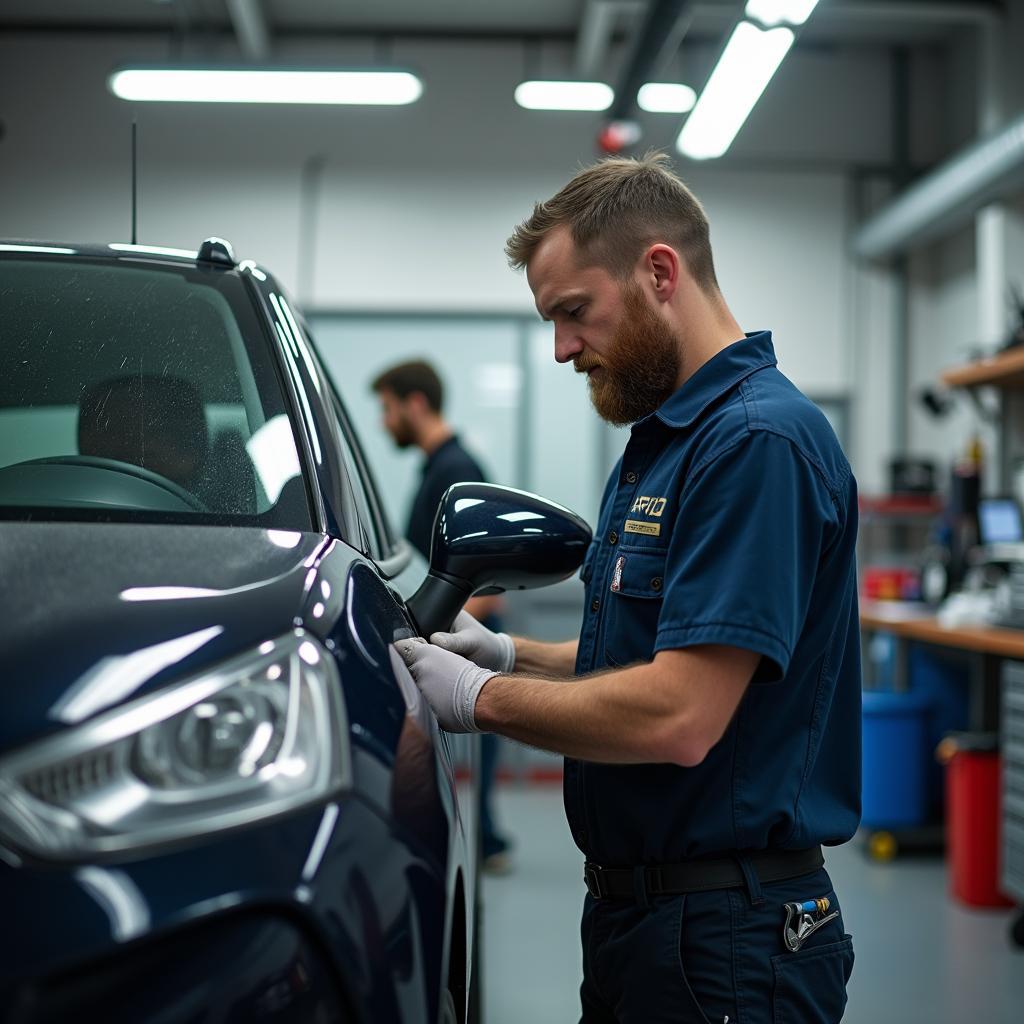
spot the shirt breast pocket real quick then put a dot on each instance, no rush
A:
(634, 599)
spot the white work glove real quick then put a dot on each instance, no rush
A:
(478, 643)
(450, 683)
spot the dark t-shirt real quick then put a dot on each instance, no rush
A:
(447, 465)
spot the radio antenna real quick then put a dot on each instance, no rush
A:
(134, 176)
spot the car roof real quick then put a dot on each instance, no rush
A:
(106, 250)
(220, 256)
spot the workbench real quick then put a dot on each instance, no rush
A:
(914, 623)
(997, 677)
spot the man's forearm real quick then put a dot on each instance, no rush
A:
(592, 718)
(671, 710)
(557, 660)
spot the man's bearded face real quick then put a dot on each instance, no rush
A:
(395, 419)
(402, 433)
(640, 368)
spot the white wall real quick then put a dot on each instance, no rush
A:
(417, 202)
(779, 243)
(873, 353)
(478, 360)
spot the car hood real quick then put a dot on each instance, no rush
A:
(92, 614)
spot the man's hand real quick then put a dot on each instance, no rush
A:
(477, 643)
(450, 683)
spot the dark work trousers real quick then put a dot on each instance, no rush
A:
(490, 839)
(713, 957)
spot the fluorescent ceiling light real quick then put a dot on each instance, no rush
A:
(750, 59)
(564, 95)
(183, 85)
(778, 12)
(665, 98)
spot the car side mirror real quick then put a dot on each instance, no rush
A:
(492, 538)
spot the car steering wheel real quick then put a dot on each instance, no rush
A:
(128, 469)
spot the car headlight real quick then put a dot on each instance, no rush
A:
(255, 737)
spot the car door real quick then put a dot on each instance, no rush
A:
(413, 775)
(456, 757)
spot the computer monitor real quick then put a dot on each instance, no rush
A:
(1000, 521)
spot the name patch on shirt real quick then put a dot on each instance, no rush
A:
(649, 506)
(638, 526)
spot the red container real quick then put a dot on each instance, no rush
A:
(973, 830)
(891, 583)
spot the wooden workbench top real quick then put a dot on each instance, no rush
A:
(1004, 369)
(915, 622)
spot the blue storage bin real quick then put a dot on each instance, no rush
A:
(942, 677)
(896, 759)
(882, 654)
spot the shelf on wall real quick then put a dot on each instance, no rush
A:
(1004, 370)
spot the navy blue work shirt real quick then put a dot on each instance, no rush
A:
(730, 519)
(447, 464)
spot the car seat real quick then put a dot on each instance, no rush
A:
(226, 483)
(152, 421)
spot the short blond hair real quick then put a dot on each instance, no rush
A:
(615, 209)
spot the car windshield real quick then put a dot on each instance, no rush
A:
(143, 392)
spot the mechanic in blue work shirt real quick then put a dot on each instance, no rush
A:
(710, 710)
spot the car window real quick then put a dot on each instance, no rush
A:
(384, 539)
(141, 392)
(378, 540)
(371, 539)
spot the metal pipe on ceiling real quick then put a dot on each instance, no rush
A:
(976, 13)
(663, 28)
(947, 197)
(951, 194)
(250, 27)
(595, 35)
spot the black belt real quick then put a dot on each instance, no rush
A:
(700, 875)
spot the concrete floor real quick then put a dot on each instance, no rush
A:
(928, 961)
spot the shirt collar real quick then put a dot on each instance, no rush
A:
(430, 459)
(721, 373)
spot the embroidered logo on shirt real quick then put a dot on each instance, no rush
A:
(649, 506)
(638, 526)
(620, 563)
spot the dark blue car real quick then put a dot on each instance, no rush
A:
(221, 796)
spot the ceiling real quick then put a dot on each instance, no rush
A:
(879, 22)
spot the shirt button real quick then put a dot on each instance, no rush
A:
(613, 538)
(631, 477)
(595, 604)
(656, 583)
